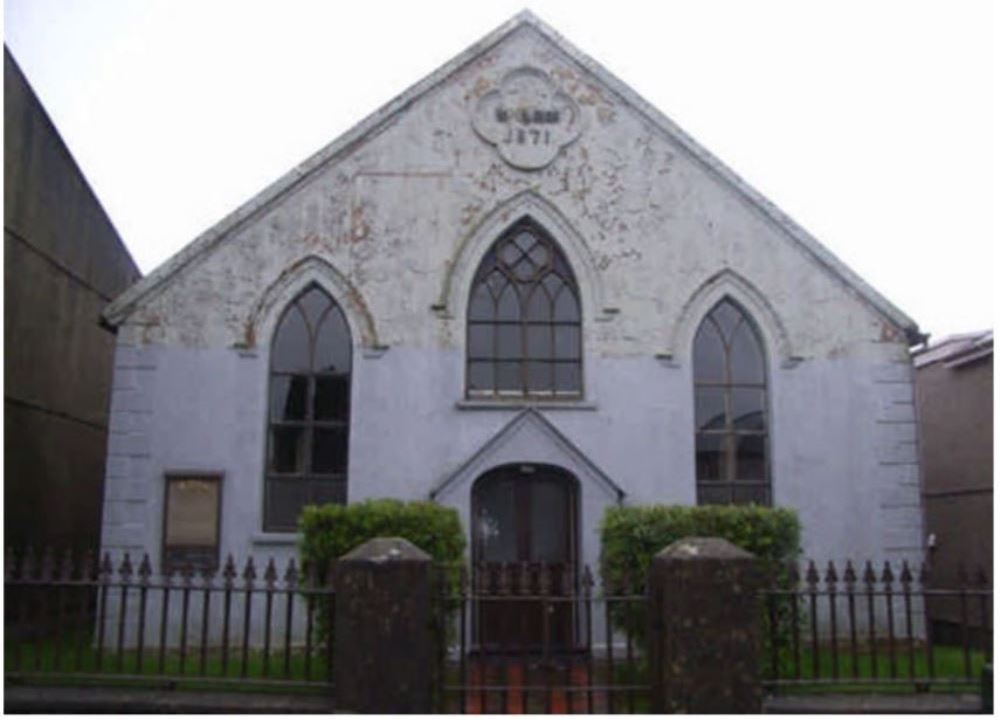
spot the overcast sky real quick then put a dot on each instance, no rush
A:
(870, 123)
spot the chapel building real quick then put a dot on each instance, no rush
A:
(520, 291)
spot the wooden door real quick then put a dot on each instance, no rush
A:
(525, 548)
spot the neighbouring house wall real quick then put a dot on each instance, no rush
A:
(63, 263)
(956, 415)
(394, 230)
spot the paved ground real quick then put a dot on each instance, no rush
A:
(130, 700)
(933, 703)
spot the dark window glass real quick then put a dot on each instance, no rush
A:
(332, 399)
(288, 449)
(731, 426)
(290, 350)
(288, 397)
(309, 410)
(524, 326)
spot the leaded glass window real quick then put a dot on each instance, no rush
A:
(731, 424)
(309, 409)
(524, 329)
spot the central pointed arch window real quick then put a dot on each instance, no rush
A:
(309, 409)
(524, 330)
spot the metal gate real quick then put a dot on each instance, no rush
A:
(588, 656)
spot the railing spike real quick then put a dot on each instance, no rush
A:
(503, 588)
(48, 564)
(870, 577)
(125, 569)
(106, 569)
(963, 575)
(9, 565)
(812, 575)
(981, 578)
(831, 575)
(925, 573)
(793, 574)
(544, 580)
(463, 581)
(145, 569)
(229, 571)
(270, 574)
(187, 575)
(524, 578)
(66, 566)
(849, 575)
(887, 576)
(249, 572)
(28, 564)
(291, 574)
(566, 581)
(587, 581)
(905, 576)
(87, 566)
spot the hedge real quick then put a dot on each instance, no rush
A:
(631, 536)
(330, 531)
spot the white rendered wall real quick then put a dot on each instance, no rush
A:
(394, 229)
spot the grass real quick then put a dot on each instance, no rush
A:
(880, 672)
(59, 660)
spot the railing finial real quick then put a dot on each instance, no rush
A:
(270, 574)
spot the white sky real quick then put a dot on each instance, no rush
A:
(870, 123)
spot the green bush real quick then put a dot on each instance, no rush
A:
(631, 536)
(330, 531)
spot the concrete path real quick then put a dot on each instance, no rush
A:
(846, 704)
(134, 700)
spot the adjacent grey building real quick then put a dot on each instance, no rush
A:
(954, 383)
(521, 291)
(63, 263)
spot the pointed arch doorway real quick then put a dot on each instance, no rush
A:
(525, 543)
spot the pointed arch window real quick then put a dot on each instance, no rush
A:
(731, 419)
(524, 329)
(309, 409)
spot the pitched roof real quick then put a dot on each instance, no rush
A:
(117, 311)
(956, 350)
(533, 421)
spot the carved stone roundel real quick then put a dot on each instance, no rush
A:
(528, 119)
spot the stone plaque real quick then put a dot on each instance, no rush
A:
(528, 119)
(191, 522)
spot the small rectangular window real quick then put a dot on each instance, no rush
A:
(191, 519)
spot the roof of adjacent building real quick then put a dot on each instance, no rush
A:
(123, 306)
(956, 350)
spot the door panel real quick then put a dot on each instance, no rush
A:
(524, 546)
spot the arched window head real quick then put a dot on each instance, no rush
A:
(524, 332)
(309, 409)
(731, 423)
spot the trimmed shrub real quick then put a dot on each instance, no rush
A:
(330, 531)
(631, 536)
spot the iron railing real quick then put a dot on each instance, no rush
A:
(535, 637)
(74, 618)
(872, 630)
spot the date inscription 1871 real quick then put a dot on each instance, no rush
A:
(527, 119)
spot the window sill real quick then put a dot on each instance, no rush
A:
(276, 538)
(521, 403)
